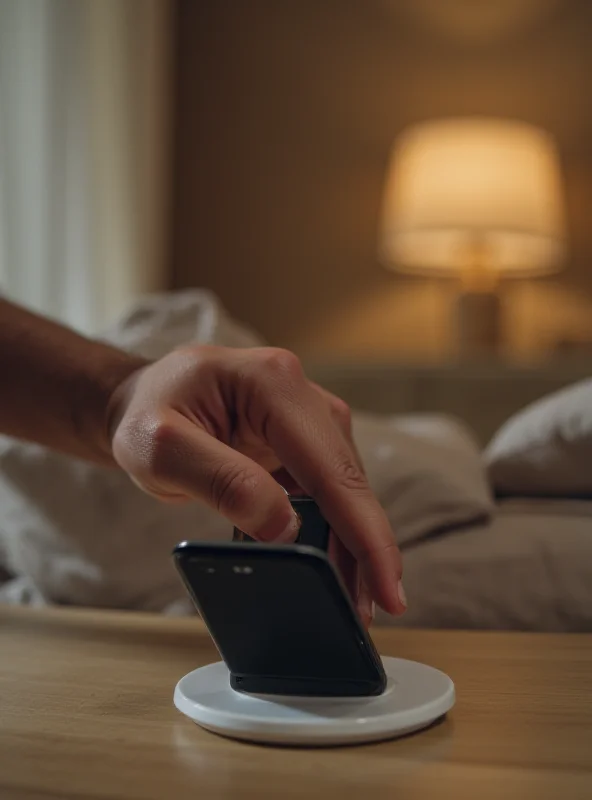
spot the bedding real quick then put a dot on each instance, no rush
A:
(425, 470)
(528, 568)
(546, 449)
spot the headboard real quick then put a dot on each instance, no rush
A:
(482, 395)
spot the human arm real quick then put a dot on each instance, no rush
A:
(206, 423)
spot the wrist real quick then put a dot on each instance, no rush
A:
(105, 399)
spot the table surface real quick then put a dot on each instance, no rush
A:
(86, 712)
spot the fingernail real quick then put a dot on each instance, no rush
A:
(365, 620)
(401, 594)
(290, 532)
(367, 615)
(365, 603)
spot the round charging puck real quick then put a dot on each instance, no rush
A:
(416, 696)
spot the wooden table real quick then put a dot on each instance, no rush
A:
(86, 712)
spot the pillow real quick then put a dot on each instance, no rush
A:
(546, 449)
(426, 471)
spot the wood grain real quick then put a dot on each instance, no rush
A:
(86, 712)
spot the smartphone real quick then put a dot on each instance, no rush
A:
(281, 619)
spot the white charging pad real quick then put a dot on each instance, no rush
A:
(416, 695)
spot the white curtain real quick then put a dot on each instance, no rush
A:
(84, 143)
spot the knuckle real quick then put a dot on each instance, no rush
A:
(233, 488)
(349, 476)
(345, 477)
(342, 412)
(278, 361)
(164, 441)
(144, 447)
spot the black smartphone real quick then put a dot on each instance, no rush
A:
(281, 619)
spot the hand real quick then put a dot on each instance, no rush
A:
(214, 424)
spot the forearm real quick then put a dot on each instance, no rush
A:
(55, 385)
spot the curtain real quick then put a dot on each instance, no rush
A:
(84, 154)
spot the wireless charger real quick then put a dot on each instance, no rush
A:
(416, 695)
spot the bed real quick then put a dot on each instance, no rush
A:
(528, 568)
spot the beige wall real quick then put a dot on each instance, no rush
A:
(286, 112)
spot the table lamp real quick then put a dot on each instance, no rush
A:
(477, 199)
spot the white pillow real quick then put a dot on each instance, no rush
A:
(546, 449)
(426, 471)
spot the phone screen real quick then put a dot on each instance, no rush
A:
(279, 613)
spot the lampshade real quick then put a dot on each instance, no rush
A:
(465, 185)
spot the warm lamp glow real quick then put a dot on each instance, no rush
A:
(471, 193)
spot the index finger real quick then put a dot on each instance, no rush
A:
(299, 427)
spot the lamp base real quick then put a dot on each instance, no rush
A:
(478, 323)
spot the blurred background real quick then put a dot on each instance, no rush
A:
(286, 117)
(277, 154)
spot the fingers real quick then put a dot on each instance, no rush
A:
(341, 557)
(341, 413)
(166, 439)
(348, 569)
(366, 605)
(294, 418)
(172, 458)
